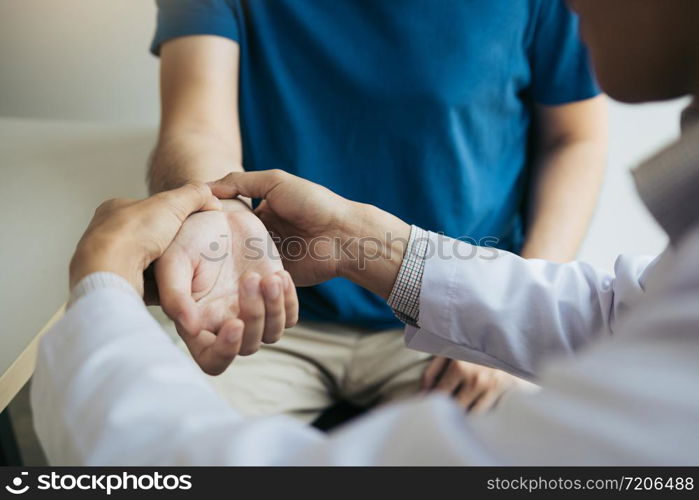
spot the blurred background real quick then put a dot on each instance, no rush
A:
(78, 60)
(87, 61)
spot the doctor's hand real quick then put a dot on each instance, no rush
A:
(125, 236)
(221, 281)
(474, 387)
(321, 235)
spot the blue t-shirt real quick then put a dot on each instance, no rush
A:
(420, 107)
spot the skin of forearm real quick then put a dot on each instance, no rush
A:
(377, 241)
(190, 156)
(565, 193)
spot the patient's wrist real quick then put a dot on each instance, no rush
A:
(237, 204)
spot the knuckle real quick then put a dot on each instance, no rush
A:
(202, 189)
(278, 174)
(254, 315)
(174, 203)
(274, 309)
(479, 379)
(486, 385)
(109, 205)
(175, 208)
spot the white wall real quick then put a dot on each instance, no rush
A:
(88, 60)
(78, 59)
(621, 224)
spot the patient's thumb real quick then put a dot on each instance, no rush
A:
(181, 308)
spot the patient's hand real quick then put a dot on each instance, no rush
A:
(476, 388)
(323, 235)
(222, 266)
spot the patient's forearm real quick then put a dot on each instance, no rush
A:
(569, 168)
(183, 157)
(565, 194)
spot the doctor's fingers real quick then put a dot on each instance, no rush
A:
(161, 216)
(483, 390)
(432, 372)
(181, 202)
(454, 376)
(468, 395)
(249, 184)
(487, 401)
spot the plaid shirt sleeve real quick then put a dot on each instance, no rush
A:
(405, 296)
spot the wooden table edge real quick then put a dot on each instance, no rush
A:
(21, 370)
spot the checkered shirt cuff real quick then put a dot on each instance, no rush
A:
(405, 296)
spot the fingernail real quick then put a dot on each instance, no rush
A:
(273, 289)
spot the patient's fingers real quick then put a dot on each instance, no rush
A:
(214, 352)
(273, 292)
(291, 300)
(252, 312)
(173, 274)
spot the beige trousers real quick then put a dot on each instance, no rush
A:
(317, 364)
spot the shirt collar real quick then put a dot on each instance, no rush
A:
(668, 183)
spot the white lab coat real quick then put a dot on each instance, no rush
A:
(617, 357)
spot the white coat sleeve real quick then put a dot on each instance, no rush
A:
(495, 308)
(110, 388)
